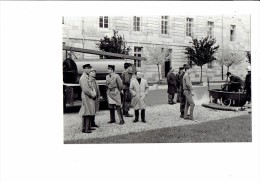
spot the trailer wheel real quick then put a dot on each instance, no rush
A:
(213, 100)
(225, 101)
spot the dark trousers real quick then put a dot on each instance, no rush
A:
(126, 100)
(182, 103)
(248, 94)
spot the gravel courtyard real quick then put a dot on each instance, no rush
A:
(159, 116)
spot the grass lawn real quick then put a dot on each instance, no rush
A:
(236, 129)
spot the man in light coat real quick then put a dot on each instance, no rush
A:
(172, 87)
(92, 77)
(187, 91)
(114, 88)
(88, 96)
(139, 90)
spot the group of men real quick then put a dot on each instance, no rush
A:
(121, 94)
(179, 86)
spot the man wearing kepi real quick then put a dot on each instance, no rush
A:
(172, 87)
(92, 78)
(187, 91)
(114, 87)
(88, 96)
(139, 90)
(126, 78)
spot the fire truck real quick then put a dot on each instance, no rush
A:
(72, 70)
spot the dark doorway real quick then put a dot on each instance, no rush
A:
(167, 67)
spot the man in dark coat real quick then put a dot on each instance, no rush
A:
(248, 85)
(172, 86)
(126, 78)
(180, 88)
(234, 82)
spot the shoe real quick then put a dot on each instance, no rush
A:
(144, 121)
(92, 129)
(95, 126)
(128, 115)
(181, 116)
(88, 131)
(83, 131)
(135, 120)
(121, 122)
(111, 122)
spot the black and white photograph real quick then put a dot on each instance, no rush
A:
(129, 91)
(157, 79)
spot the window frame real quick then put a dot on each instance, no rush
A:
(232, 33)
(165, 25)
(135, 24)
(138, 53)
(210, 32)
(189, 27)
(102, 22)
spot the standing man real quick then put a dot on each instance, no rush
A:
(88, 96)
(248, 85)
(92, 77)
(114, 87)
(139, 90)
(187, 91)
(126, 78)
(172, 87)
(181, 95)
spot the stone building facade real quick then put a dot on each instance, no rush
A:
(175, 32)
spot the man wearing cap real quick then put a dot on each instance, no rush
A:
(139, 90)
(187, 91)
(92, 78)
(248, 84)
(114, 87)
(126, 78)
(172, 87)
(234, 82)
(181, 95)
(88, 96)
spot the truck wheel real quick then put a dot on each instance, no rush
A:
(225, 101)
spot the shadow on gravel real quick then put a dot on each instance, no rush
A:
(236, 129)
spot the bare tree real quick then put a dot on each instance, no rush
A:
(228, 57)
(156, 55)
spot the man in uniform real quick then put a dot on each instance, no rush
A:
(187, 91)
(114, 87)
(126, 78)
(172, 87)
(88, 96)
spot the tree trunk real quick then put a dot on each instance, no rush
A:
(158, 74)
(201, 74)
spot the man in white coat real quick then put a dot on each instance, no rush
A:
(139, 90)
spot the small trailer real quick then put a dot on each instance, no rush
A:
(227, 98)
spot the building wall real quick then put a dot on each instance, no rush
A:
(84, 32)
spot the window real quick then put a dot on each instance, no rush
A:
(210, 29)
(189, 27)
(164, 24)
(232, 33)
(103, 21)
(137, 53)
(137, 23)
(210, 65)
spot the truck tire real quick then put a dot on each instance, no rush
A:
(70, 71)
